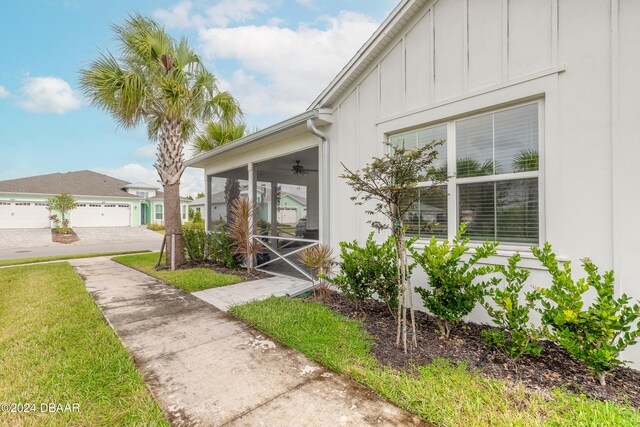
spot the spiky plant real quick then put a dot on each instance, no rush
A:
(241, 230)
(319, 259)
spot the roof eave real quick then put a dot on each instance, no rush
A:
(322, 116)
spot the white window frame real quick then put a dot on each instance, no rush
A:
(453, 182)
(160, 211)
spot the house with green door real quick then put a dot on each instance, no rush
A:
(103, 201)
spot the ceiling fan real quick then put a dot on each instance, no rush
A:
(298, 169)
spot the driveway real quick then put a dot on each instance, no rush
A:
(20, 243)
(115, 234)
(29, 238)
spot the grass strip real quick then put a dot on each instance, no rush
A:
(190, 280)
(57, 348)
(23, 261)
(442, 392)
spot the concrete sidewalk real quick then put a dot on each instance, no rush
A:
(243, 292)
(207, 368)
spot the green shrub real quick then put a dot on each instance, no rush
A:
(155, 227)
(515, 335)
(216, 247)
(193, 225)
(196, 216)
(196, 240)
(221, 249)
(452, 293)
(596, 334)
(368, 270)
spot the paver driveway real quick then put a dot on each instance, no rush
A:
(27, 238)
(115, 234)
(18, 243)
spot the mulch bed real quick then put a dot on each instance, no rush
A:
(64, 238)
(242, 272)
(553, 369)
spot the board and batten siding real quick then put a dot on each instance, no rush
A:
(580, 59)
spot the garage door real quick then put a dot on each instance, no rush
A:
(24, 215)
(101, 215)
(287, 216)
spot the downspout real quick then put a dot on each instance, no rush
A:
(324, 194)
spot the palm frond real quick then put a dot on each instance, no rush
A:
(217, 134)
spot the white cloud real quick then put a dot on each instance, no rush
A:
(295, 63)
(179, 16)
(192, 180)
(146, 151)
(4, 92)
(222, 13)
(48, 95)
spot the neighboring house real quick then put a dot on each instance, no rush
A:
(197, 205)
(537, 101)
(103, 201)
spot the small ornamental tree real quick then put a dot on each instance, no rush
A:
(389, 182)
(63, 203)
(597, 334)
(452, 293)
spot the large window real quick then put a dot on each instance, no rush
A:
(493, 186)
(159, 212)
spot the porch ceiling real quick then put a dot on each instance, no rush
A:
(280, 170)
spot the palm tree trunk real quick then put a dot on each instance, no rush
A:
(170, 166)
(173, 223)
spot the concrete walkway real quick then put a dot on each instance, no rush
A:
(207, 368)
(241, 293)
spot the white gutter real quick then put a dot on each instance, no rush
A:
(325, 182)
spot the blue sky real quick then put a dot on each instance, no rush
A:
(275, 56)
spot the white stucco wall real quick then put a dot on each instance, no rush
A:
(579, 58)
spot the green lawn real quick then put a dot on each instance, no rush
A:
(55, 347)
(441, 392)
(190, 280)
(21, 261)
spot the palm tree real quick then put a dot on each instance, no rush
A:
(216, 135)
(161, 83)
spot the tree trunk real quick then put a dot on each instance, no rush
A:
(601, 379)
(405, 291)
(170, 166)
(173, 222)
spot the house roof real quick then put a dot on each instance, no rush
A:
(197, 202)
(300, 199)
(79, 183)
(140, 186)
